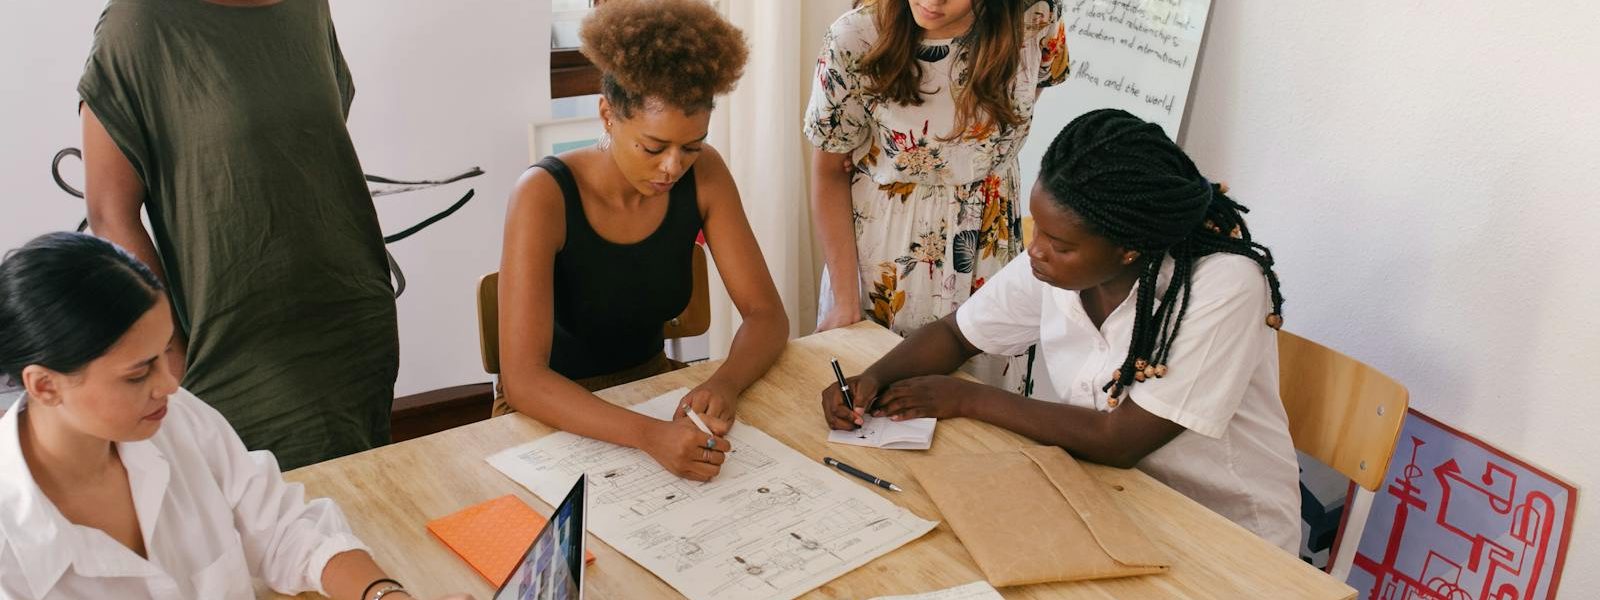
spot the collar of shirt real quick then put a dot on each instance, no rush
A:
(1082, 361)
(1071, 302)
(45, 542)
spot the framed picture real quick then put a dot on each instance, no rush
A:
(1458, 519)
(554, 137)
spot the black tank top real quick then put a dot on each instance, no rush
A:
(611, 300)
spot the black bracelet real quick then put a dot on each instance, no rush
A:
(375, 584)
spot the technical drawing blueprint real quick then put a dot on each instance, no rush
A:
(772, 525)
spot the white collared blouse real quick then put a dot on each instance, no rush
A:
(1235, 456)
(216, 519)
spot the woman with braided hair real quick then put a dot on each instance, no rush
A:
(1154, 311)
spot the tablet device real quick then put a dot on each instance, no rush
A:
(552, 567)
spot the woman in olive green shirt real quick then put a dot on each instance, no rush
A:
(226, 122)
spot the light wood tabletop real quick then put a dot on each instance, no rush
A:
(389, 495)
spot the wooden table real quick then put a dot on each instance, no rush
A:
(390, 493)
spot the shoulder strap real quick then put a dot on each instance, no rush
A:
(564, 178)
(684, 202)
(577, 223)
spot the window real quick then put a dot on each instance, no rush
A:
(571, 73)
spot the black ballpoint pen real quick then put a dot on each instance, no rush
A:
(860, 474)
(844, 388)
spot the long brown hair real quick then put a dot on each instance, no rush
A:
(992, 49)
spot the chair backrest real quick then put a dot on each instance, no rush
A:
(695, 319)
(1027, 232)
(1341, 412)
(489, 322)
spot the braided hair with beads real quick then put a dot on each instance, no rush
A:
(1134, 186)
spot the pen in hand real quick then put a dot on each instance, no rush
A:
(700, 423)
(844, 388)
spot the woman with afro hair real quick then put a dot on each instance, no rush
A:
(599, 242)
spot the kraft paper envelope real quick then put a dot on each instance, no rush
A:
(1034, 515)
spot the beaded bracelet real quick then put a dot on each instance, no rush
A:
(396, 586)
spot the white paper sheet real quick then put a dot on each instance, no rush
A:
(977, 590)
(1136, 56)
(772, 525)
(882, 432)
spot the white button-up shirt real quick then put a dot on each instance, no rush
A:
(214, 517)
(1236, 457)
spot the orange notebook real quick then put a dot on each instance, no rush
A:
(491, 536)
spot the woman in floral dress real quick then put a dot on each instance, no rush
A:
(929, 103)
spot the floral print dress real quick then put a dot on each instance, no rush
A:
(936, 215)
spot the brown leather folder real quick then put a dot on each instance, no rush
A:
(1034, 515)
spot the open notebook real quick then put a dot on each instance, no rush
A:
(881, 432)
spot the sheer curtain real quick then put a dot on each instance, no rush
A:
(757, 130)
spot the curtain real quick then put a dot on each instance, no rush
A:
(757, 130)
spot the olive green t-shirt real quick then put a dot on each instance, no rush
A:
(234, 118)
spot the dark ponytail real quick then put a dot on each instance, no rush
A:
(65, 298)
(1134, 186)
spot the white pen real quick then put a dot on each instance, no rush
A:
(697, 421)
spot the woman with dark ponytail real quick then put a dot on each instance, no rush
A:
(1155, 313)
(117, 483)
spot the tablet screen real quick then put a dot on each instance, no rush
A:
(552, 567)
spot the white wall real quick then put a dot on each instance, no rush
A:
(42, 49)
(441, 87)
(1426, 174)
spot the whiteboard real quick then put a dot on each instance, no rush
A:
(1136, 55)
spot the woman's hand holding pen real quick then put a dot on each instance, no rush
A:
(864, 390)
(684, 450)
(715, 403)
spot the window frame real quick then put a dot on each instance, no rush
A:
(571, 73)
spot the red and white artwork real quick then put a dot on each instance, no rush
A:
(1458, 519)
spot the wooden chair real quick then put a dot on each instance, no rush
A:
(1346, 415)
(695, 319)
